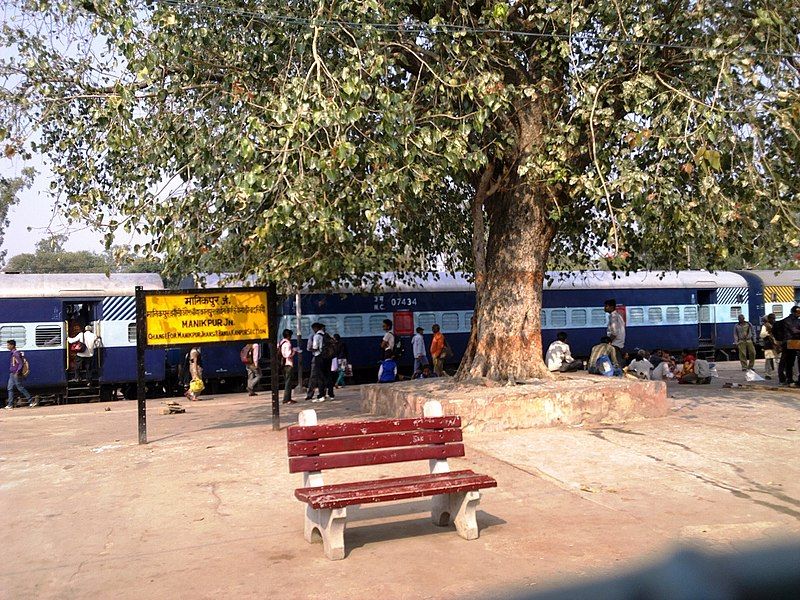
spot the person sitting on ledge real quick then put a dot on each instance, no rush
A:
(425, 373)
(559, 357)
(387, 373)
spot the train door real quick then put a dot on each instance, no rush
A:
(77, 315)
(706, 318)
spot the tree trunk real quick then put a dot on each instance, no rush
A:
(506, 341)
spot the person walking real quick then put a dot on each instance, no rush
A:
(770, 347)
(418, 349)
(316, 380)
(615, 330)
(253, 369)
(743, 336)
(195, 368)
(287, 352)
(438, 350)
(14, 370)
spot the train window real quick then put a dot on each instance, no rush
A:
(12, 332)
(468, 321)
(543, 317)
(449, 321)
(48, 336)
(426, 320)
(635, 315)
(598, 317)
(305, 322)
(558, 318)
(376, 323)
(673, 314)
(690, 314)
(331, 324)
(654, 314)
(578, 317)
(735, 312)
(353, 325)
(777, 310)
(132, 333)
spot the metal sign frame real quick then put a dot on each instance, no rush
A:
(141, 345)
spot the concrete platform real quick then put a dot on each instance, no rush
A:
(206, 509)
(574, 399)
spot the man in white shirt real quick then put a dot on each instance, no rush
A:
(84, 357)
(317, 378)
(288, 353)
(641, 366)
(559, 356)
(387, 343)
(418, 347)
(616, 328)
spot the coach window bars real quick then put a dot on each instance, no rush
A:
(331, 324)
(13, 332)
(426, 320)
(48, 336)
(635, 315)
(558, 318)
(468, 321)
(353, 325)
(376, 323)
(654, 314)
(578, 317)
(543, 317)
(598, 317)
(673, 314)
(735, 312)
(777, 310)
(132, 333)
(690, 314)
(449, 322)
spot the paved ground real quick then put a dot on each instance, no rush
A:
(205, 510)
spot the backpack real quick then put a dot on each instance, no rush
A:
(246, 354)
(604, 366)
(329, 349)
(26, 367)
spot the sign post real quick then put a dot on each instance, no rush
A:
(141, 404)
(200, 317)
(276, 363)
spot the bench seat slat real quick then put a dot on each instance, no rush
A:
(314, 432)
(374, 457)
(384, 490)
(373, 442)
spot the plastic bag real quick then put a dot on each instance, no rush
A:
(753, 376)
(196, 386)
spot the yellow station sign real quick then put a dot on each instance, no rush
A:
(202, 317)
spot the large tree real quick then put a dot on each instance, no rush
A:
(319, 141)
(9, 188)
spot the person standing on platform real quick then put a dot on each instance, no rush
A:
(387, 342)
(342, 358)
(615, 330)
(253, 370)
(317, 380)
(287, 352)
(195, 360)
(770, 347)
(418, 348)
(791, 333)
(438, 350)
(743, 336)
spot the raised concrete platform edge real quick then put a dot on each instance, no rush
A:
(567, 400)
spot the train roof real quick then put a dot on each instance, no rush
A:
(781, 278)
(558, 280)
(76, 285)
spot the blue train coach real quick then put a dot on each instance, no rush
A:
(675, 310)
(41, 311)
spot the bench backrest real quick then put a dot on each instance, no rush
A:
(360, 443)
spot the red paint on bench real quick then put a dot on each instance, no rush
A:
(375, 457)
(399, 488)
(315, 432)
(373, 442)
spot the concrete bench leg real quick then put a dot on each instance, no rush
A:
(463, 508)
(441, 510)
(326, 525)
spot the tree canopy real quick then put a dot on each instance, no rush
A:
(319, 141)
(9, 188)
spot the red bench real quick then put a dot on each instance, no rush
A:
(314, 448)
